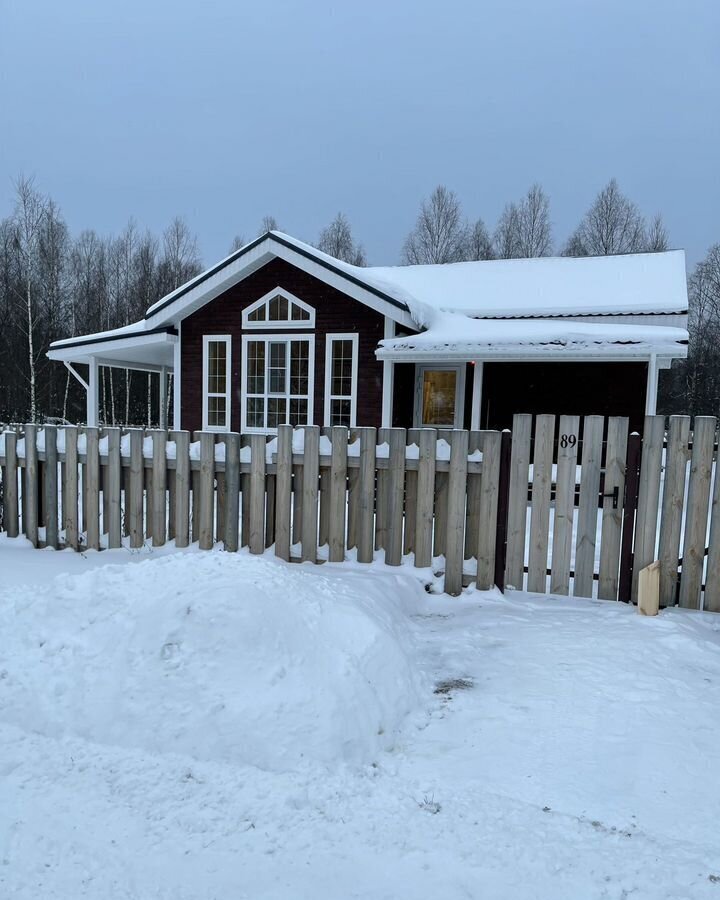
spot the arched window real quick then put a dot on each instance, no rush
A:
(278, 309)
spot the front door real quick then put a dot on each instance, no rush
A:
(439, 396)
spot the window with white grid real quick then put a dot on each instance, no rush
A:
(278, 381)
(278, 309)
(216, 382)
(341, 365)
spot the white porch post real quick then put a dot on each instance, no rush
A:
(388, 379)
(162, 417)
(91, 414)
(476, 408)
(652, 386)
(176, 384)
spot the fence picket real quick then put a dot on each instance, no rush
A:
(381, 502)
(182, 488)
(159, 500)
(693, 558)
(283, 491)
(324, 496)
(648, 497)
(673, 500)
(92, 488)
(588, 506)
(257, 494)
(540, 505)
(10, 486)
(712, 582)
(231, 525)
(612, 514)
(425, 504)
(51, 487)
(564, 504)
(30, 486)
(518, 497)
(206, 482)
(311, 465)
(366, 495)
(70, 487)
(135, 499)
(457, 489)
(490, 446)
(395, 495)
(112, 486)
(337, 502)
(411, 477)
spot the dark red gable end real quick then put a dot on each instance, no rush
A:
(334, 312)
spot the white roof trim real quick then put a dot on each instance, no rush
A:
(184, 301)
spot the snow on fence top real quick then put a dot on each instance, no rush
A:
(382, 451)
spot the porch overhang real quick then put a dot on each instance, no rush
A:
(132, 347)
(454, 338)
(122, 348)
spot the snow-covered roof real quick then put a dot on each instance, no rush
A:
(549, 286)
(454, 336)
(440, 297)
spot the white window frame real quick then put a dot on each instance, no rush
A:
(420, 369)
(266, 325)
(329, 340)
(270, 339)
(220, 339)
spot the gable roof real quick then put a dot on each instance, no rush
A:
(633, 283)
(420, 296)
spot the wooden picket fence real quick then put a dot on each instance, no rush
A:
(558, 505)
(309, 495)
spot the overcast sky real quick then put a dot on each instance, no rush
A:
(223, 111)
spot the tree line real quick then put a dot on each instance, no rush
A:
(55, 285)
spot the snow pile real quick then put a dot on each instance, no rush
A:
(222, 657)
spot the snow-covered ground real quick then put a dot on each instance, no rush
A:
(208, 726)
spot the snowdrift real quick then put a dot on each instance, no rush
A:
(223, 657)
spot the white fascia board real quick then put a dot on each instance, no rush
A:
(254, 259)
(529, 354)
(82, 353)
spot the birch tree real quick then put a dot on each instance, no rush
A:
(28, 221)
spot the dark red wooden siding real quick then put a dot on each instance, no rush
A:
(334, 312)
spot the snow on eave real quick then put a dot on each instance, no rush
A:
(457, 335)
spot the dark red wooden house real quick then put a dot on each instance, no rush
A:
(279, 332)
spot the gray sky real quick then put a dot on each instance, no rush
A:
(224, 111)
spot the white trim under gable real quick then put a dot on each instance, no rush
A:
(227, 340)
(330, 338)
(268, 324)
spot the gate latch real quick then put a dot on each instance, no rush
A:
(615, 494)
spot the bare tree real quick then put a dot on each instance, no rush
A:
(479, 243)
(28, 222)
(237, 242)
(614, 224)
(337, 240)
(269, 223)
(656, 238)
(507, 233)
(180, 260)
(535, 228)
(524, 230)
(440, 234)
